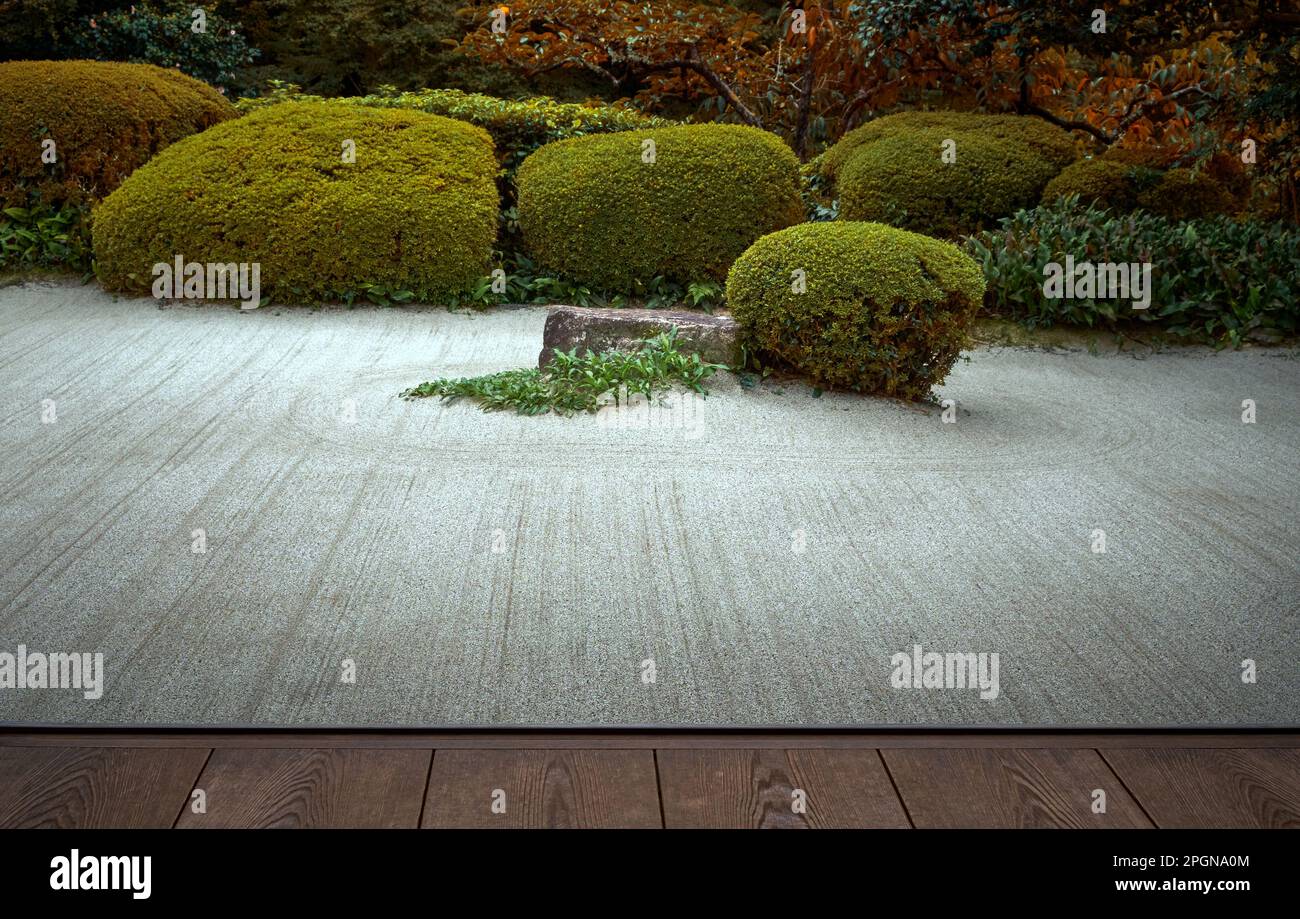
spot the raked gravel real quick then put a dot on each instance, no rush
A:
(769, 550)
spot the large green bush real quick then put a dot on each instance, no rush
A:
(104, 119)
(416, 211)
(1215, 279)
(594, 210)
(859, 306)
(890, 170)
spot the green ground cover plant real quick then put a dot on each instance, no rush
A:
(1215, 280)
(40, 236)
(573, 382)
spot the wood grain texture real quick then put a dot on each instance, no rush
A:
(311, 789)
(648, 739)
(95, 788)
(543, 788)
(755, 788)
(1009, 789)
(1213, 788)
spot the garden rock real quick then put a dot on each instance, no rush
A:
(713, 338)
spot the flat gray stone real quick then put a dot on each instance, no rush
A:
(714, 338)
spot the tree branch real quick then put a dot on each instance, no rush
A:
(1084, 126)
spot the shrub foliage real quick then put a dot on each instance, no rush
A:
(858, 306)
(105, 120)
(593, 209)
(416, 211)
(518, 127)
(1125, 179)
(890, 170)
(1215, 279)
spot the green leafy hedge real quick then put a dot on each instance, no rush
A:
(161, 32)
(416, 212)
(890, 170)
(1214, 279)
(105, 120)
(1127, 183)
(518, 127)
(879, 309)
(593, 210)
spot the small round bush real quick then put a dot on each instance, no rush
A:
(1126, 179)
(593, 210)
(1107, 182)
(416, 211)
(105, 120)
(882, 310)
(1184, 194)
(890, 170)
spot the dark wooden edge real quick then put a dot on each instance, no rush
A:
(648, 738)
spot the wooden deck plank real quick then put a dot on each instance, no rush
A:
(1213, 788)
(542, 788)
(1010, 788)
(311, 788)
(756, 788)
(643, 740)
(96, 787)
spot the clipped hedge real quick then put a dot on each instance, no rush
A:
(1126, 180)
(591, 209)
(518, 127)
(890, 169)
(416, 212)
(1214, 280)
(881, 310)
(105, 120)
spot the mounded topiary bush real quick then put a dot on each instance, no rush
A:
(890, 170)
(593, 210)
(105, 120)
(882, 310)
(416, 211)
(1126, 179)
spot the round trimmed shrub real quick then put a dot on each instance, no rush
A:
(1184, 194)
(105, 120)
(591, 209)
(890, 170)
(417, 210)
(1108, 182)
(883, 310)
(1129, 181)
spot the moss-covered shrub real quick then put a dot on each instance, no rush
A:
(891, 170)
(594, 210)
(1126, 179)
(859, 306)
(415, 212)
(105, 120)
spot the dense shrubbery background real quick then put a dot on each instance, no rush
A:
(1216, 279)
(1147, 121)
